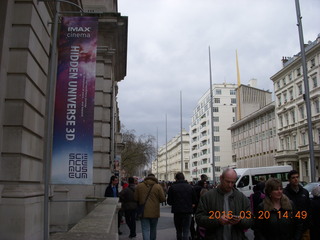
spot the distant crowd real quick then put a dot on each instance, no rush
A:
(208, 211)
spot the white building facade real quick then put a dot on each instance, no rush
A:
(291, 117)
(224, 111)
(168, 161)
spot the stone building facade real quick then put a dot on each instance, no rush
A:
(254, 139)
(168, 161)
(290, 110)
(25, 44)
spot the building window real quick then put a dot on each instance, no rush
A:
(295, 142)
(287, 118)
(301, 110)
(281, 121)
(300, 89)
(303, 138)
(216, 129)
(314, 81)
(298, 72)
(312, 63)
(217, 100)
(232, 92)
(290, 76)
(279, 100)
(282, 144)
(186, 166)
(216, 158)
(284, 81)
(216, 138)
(278, 84)
(218, 91)
(288, 142)
(284, 97)
(293, 116)
(316, 106)
(233, 109)
(291, 94)
(215, 119)
(215, 109)
(233, 100)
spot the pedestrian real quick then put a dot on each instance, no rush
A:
(112, 188)
(257, 197)
(165, 190)
(200, 188)
(276, 217)
(151, 203)
(219, 210)
(300, 197)
(315, 214)
(182, 198)
(112, 191)
(129, 206)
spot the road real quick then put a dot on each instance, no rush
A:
(165, 228)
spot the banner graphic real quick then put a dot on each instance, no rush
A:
(72, 150)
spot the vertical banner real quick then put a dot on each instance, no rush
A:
(72, 151)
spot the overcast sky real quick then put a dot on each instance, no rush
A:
(168, 44)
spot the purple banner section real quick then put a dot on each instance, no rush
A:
(72, 150)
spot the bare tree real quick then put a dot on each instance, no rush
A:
(138, 151)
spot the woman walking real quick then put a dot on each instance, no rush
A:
(276, 218)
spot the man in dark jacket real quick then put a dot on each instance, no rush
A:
(129, 206)
(223, 211)
(300, 197)
(182, 198)
(112, 191)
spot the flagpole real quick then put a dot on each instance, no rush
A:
(306, 93)
(157, 157)
(181, 140)
(212, 124)
(166, 151)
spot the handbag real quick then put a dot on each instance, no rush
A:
(140, 208)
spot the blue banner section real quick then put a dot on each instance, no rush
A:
(72, 150)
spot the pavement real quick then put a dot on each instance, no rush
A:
(165, 228)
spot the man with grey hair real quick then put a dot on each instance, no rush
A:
(221, 211)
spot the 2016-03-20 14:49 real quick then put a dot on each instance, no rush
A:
(261, 214)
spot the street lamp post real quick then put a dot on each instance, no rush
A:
(306, 94)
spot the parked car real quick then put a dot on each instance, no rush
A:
(311, 186)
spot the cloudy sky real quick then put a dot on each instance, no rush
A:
(168, 43)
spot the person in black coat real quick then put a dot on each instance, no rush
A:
(315, 214)
(129, 206)
(112, 191)
(112, 188)
(182, 198)
(300, 197)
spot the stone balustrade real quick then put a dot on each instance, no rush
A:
(100, 224)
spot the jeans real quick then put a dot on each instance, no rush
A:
(149, 228)
(130, 216)
(182, 223)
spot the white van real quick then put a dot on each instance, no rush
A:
(248, 177)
